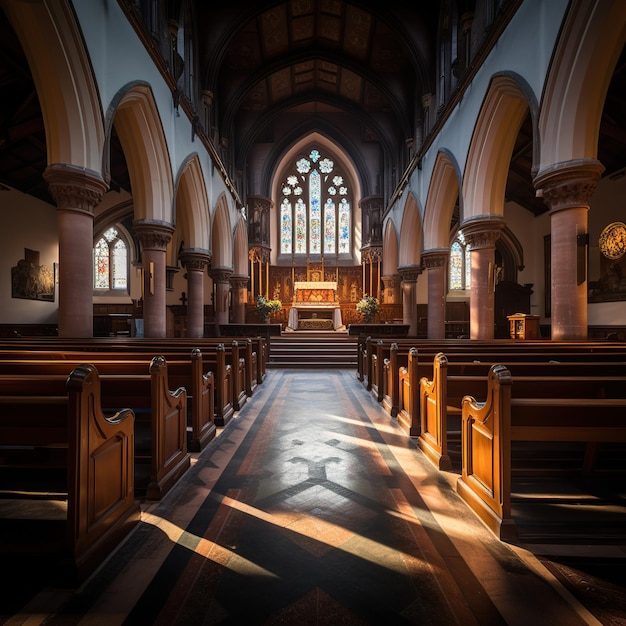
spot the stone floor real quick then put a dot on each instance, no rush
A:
(312, 507)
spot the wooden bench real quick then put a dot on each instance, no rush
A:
(440, 398)
(490, 427)
(498, 348)
(67, 496)
(161, 455)
(207, 379)
(409, 378)
(253, 349)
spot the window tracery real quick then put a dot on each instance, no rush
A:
(315, 208)
(110, 262)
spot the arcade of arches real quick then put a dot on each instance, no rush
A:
(213, 155)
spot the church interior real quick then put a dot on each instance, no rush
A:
(410, 213)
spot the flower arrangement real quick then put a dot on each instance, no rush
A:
(265, 307)
(368, 307)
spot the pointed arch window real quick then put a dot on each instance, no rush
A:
(315, 208)
(459, 277)
(110, 263)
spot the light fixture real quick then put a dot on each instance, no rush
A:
(613, 240)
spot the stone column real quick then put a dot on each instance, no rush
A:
(436, 262)
(392, 289)
(409, 275)
(195, 262)
(566, 189)
(221, 279)
(239, 297)
(153, 236)
(76, 191)
(481, 233)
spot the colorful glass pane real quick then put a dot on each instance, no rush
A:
(300, 227)
(101, 264)
(329, 226)
(120, 273)
(303, 166)
(326, 166)
(343, 233)
(314, 156)
(456, 266)
(286, 227)
(468, 267)
(315, 212)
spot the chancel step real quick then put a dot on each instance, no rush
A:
(311, 349)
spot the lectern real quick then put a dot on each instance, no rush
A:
(523, 326)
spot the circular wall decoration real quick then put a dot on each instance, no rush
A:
(613, 240)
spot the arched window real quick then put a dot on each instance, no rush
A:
(110, 263)
(315, 208)
(460, 264)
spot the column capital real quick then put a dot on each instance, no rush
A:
(435, 257)
(570, 184)
(193, 259)
(372, 254)
(153, 234)
(482, 231)
(410, 273)
(392, 281)
(221, 274)
(259, 254)
(238, 281)
(75, 188)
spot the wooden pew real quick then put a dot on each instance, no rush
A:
(208, 380)
(494, 350)
(410, 376)
(256, 355)
(440, 399)
(74, 466)
(161, 455)
(490, 427)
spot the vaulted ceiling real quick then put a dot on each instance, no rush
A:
(355, 68)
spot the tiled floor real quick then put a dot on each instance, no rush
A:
(312, 507)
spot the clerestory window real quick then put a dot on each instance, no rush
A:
(315, 208)
(110, 263)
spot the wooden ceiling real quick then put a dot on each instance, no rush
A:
(371, 60)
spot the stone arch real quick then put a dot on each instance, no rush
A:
(221, 236)
(591, 41)
(63, 77)
(240, 248)
(390, 249)
(502, 114)
(443, 193)
(193, 222)
(136, 118)
(351, 171)
(410, 234)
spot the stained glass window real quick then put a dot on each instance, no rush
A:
(315, 208)
(460, 269)
(110, 262)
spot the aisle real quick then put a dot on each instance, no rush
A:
(311, 507)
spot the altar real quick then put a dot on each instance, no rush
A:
(315, 306)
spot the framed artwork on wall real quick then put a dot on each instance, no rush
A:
(32, 281)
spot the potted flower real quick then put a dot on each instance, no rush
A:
(264, 307)
(368, 307)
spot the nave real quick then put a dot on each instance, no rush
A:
(311, 507)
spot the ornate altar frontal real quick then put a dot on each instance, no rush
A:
(315, 306)
(315, 292)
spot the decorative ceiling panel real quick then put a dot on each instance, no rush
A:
(280, 84)
(358, 27)
(274, 31)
